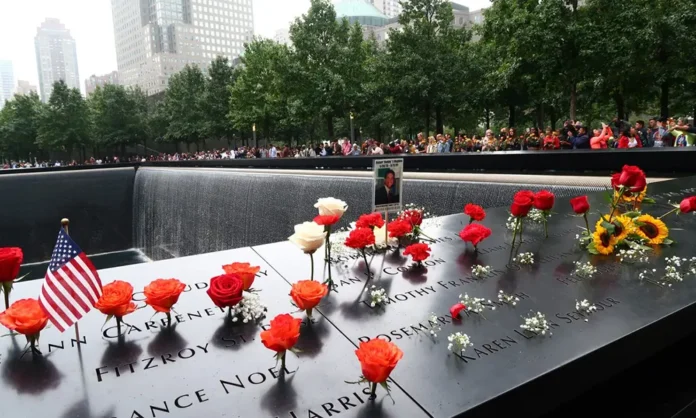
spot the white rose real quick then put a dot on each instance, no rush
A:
(381, 239)
(308, 236)
(331, 206)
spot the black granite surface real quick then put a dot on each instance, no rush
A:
(182, 368)
(507, 370)
(635, 319)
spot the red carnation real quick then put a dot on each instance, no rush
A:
(521, 205)
(544, 200)
(326, 220)
(456, 309)
(412, 216)
(360, 238)
(580, 205)
(474, 233)
(688, 205)
(399, 228)
(475, 212)
(418, 252)
(632, 178)
(372, 220)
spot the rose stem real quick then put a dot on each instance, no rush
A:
(118, 325)
(311, 260)
(587, 224)
(373, 393)
(367, 265)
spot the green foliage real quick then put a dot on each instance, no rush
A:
(19, 124)
(119, 116)
(216, 98)
(183, 107)
(65, 124)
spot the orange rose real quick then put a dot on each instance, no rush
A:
(25, 316)
(116, 299)
(307, 294)
(162, 294)
(246, 271)
(283, 333)
(377, 359)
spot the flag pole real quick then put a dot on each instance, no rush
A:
(65, 223)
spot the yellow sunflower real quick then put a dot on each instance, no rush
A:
(623, 226)
(651, 229)
(603, 241)
(631, 197)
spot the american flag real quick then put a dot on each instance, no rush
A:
(71, 286)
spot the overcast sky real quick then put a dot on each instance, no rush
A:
(90, 24)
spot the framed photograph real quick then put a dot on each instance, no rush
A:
(387, 184)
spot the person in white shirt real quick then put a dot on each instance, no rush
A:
(273, 152)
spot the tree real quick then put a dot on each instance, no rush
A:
(65, 125)
(216, 98)
(119, 116)
(259, 95)
(183, 106)
(421, 56)
(19, 123)
(320, 42)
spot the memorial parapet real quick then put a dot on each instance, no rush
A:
(200, 366)
(507, 365)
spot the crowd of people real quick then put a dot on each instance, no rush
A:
(661, 132)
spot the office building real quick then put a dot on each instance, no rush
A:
(282, 36)
(6, 81)
(157, 38)
(24, 88)
(56, 57)
(95, 81)
(389, 8)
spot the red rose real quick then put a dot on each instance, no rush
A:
(377, 359)
(360, 238)
(474, 233)
(162, 294)
(283, 333)
(456, 309)
(632, 178)
(475, 212)
(544, 200)
(399, 228)
(526, 193)
(521, 205)
(418, 252)
(10, 260)
(688, 205)
(326, 220)
(580, 205)
(26, 316)
(372, 220)
(226, 291)
(412, 216)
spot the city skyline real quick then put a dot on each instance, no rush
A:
(91, 25)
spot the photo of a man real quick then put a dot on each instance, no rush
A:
(387, 192)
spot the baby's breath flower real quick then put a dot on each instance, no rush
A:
(524, 258)
(584, 270)
(458, 342)
(509, 299)
(473, 304)
(434, 329)
(480, 271)
(377, 296)
(536, 323)
(249, 309)
(585, 306)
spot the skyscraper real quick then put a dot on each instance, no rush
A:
(95, 81)
(6, 81)
(56, 57)
(391, 8)
(24, 87)
(157, 38)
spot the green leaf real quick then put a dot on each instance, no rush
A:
(633, 214)
(591, 249)
(668, 242)
(638, 223)
(648, 200)
(609, 227)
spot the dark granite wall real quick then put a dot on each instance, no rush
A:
(179, 212)
(97, 202)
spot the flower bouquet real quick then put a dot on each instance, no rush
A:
(533, 142)
(625, 224)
